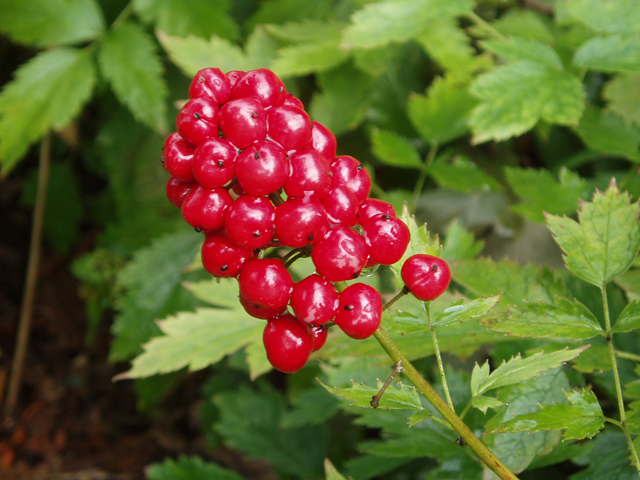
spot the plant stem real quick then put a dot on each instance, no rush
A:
(616, 377)
(627, 355)
(427, 308)
(423, 177)
(402, 293)
(123, 16)
(478, 20)
(441, 406)
(466, 410)
(375, 400)
(32, 277)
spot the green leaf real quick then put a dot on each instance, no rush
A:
(221, 292)
(519, 369)
(282, 11)
(308, 30)
(629, 319)
(404, 322)
(610, 54)
(192, 53)
(630, 281)
(582, 419)
(564, 319)
(608, 133)
(313, 406)
(610, 461)
(257, 359)
(394, 150)
(515, 97)
(483, 403)
(129, 61)
(460, 243)
(443, 114)
(523, 23)
(202, 18)
(330, 472)
(189, 468)
(605, 241)
(419, 417)
(461, 312)
(544, 193)
(632, 389)
(306, 58)
(595, 358)
(401, 397)
(460, 173)
(520, 49)
(345, 95)
(610, 16)
(47, 93)
(195, 340)
(51, 22)
(397, 21)
(623, 94)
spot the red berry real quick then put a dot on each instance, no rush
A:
(243, 122)
(288, 343)
(257, 311)
(177, 190)
(289, 126)
(372, 207)
(177, 157)
(265, 283)
(348, 171)
(293, 101)
(387, 239)
(426, 276)
(234, 75)
(221, 257)
(324, 141)
(341, 255)
(341, 206)
(210, 83)
(319, 337)
(360, 311)
(300, 222)
(310, 177)
(198, 120)
(262, 168)
(261, 84)
(314, 300)
(250, 221)
(204, 208)
(213, 162)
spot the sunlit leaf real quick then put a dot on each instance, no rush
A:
(394, 150)
(400, 397)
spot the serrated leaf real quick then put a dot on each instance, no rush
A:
(520, 49)
(189, 468)
(305, 58)
(330, 472)
(419, 417)
(394, 397)
(443, 114)
(608, 133)
(523, 23)
(308, 30)
(544, 193)
(47, 93)
(595, 358)
(564, 319)
(396, 21)
(483, 403)
(461, 312)
(610, 54)
(51, 22)
(519, 369)
(515, 97)
(610, 16)
(394, 150)
(460, 173)
(202, 18)
(582, 419)
(623, 94)
(405, 322)
(605, 241)
(460, 243)
(610, 461)
(479, 375)
(313, 406)
(129, 61)
(629, 319)
(195, 340)
(221, 292)
(282, 11)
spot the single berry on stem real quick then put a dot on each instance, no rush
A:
(360, 311)
(266, 283)
(426, 276)
(387, 239)
(288, 343)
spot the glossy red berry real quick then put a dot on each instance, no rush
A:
(341, 255)
(204, 209)
(372, 207)
(177, 157)
(177, 191)
(314, 300)
(210, 83)
(348, 171)
(360, 311)
(265, 283)
(261, 84)
(243, 122)
(221, 257)
(250, 221)
(234, 75)
(198, 120)
(292, 101)
(257, 311)
(319, 337)
(262, 168)
(300, 222)
(289, 126)
(310, 177)
(287, 343)
(324, 141)
(213, 162)
(342, 206)
(387, 239)
(426, 276)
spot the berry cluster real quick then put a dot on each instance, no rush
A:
(252, 171)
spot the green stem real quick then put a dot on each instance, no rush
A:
(402, 293)
(124, 16)
(427, 308)
(441, 406)
(627, 355)
(423, 177)
(478, 20)
(466, 410)
(613, 421)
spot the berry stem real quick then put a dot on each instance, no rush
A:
(375, 400)
(427, 308)
(276, 198)
(422, 177)
(449, 415)
(401, 294)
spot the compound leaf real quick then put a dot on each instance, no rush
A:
(400, 397)
(604, 243)
(610, 54)
(189, 468)
(629, 319)
(394, 150)
(608, 133)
